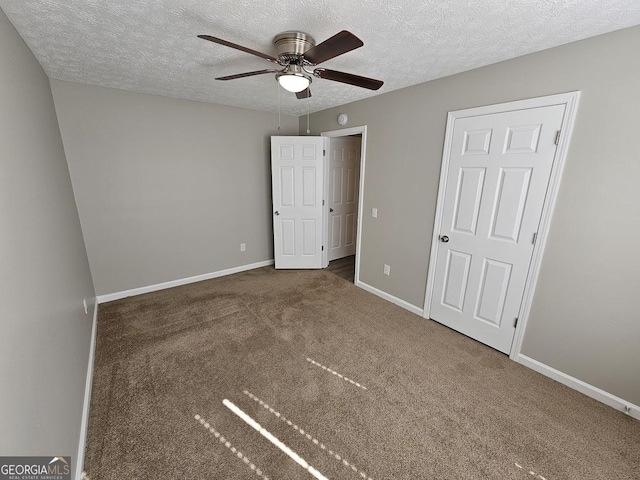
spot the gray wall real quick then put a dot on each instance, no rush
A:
(166, 188)
(44, 273)
(584, 320)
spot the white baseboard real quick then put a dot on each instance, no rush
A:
(390, 298)
(87, 396)
(582, 387)
(182, 281)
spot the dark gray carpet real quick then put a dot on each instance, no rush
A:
(431, 403)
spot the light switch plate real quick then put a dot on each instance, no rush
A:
(374, 212)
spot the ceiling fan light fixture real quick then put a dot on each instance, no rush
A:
(294, 79)
(293, 83)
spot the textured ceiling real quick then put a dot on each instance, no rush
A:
(151, 46)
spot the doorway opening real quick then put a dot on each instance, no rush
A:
(344, 175)
(344, 267)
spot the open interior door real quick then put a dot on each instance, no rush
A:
(342, 198)
(297, 166)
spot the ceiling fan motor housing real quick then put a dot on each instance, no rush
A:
(291, 45)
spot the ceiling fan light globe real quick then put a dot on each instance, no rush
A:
(293, 83)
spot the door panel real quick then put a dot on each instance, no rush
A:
(297, 166)
(288, 237)
(476, 142)
(468, 197)
(344, 158)
(498, 174)
(508, 211)
(457, 274)
(336, 190)
(335, 232)
(309, 196)
(350, 235)
(522, 139)
(287, 190)
(309, 236)
(351, 185)
(493, 291)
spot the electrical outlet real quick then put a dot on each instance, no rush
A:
(243, 247)
(86, 309)
(387, 270)
(374, 212)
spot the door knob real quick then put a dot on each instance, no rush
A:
(276, 213)
(330, 209)
(444, 238)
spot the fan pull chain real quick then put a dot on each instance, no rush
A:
(308, 110)
(278, 87)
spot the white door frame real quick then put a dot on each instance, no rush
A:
(571, 100)
(344, 132)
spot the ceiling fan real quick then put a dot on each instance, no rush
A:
(297, 54)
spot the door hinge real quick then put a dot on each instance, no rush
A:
(323, 248)
(557, 137)
(324, 152)
(535, 237)
(515, 324)
(323, 203)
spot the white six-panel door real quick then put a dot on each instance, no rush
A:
(297, 184)
(498, 174)
(344, 179)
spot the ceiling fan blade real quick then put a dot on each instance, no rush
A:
(238, 47)
(306, 93)
(340, 43)
(350, 78)
(246, 74)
